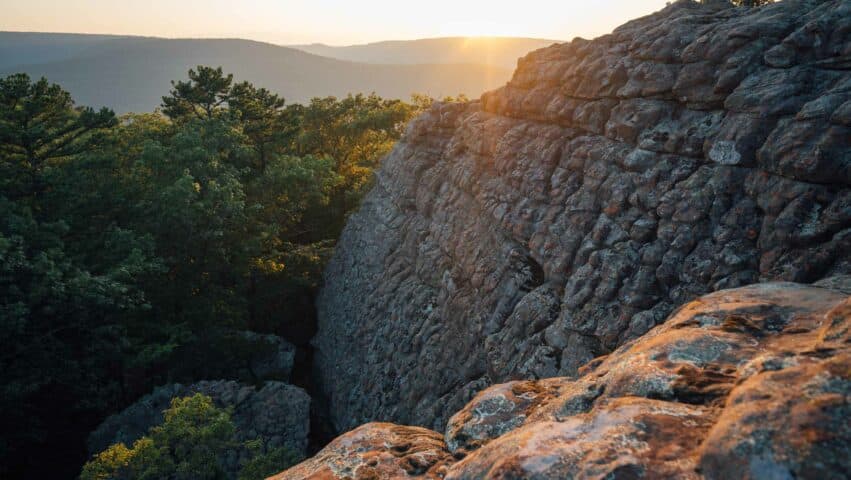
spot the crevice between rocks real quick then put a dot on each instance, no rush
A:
(321, 431)
(300, 334)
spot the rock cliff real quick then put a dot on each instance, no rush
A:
(557, 219)
(749, 383)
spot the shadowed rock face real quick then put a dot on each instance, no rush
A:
(750, 383)
(520, 236)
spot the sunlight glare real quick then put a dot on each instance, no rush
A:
(480, 29)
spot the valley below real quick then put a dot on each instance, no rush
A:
(129, 74)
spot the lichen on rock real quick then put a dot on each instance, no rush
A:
(752, 383)
(376, 451)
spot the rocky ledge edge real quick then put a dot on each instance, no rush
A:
(751, 382)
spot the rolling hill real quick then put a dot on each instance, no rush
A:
(21, 48)
(497, 51)
(132, 73)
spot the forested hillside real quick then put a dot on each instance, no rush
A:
(497, 51)
(127, 73)
(135, 250)
(28, 48)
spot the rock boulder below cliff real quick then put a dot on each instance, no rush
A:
(750, 383)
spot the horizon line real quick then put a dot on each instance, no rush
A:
(133, 35)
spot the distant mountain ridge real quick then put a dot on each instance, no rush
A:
(132, 73)
(498, 51)
(22, 48)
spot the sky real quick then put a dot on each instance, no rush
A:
(334, 22)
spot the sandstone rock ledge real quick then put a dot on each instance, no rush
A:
(753, 382)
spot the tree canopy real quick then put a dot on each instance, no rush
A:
(131, 248)
(39, 124)
(189, 445)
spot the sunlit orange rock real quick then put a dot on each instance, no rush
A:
(750, 383)
(376, 451)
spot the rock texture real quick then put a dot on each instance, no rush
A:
(377, 451)
(556, 219)
(277, 412)
(749, 383)
(271, 357)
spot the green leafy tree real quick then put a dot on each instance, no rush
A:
(190, 444)
(355, 132)
(63, 302)
(202, 96)
(195, 208)
(132, 253)
(264, 465)
(61, 324)
(261, 114)
(39, 124)
(292, 250)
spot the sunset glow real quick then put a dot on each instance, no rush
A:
(474, 28)
(326, 21)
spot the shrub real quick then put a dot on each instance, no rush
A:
(190, 444)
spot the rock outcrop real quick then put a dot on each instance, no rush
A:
(271, 357)
(242, 355)
(276, 412)
(377, 451)
(558, 218)
(750, 383)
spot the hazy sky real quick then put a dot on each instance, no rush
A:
(326, 21)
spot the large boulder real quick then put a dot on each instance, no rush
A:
(276, 412)
(749, 383)
(377, 451)
(249, 357)
(558, 218)
(272, 357)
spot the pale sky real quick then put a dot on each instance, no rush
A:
(336, 22)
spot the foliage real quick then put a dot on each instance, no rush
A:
(190, 444)
(39, 124)
(355, 132)
(63, 293)
(201, 96)
(132, 249)
(264, 465)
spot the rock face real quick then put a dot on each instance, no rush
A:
(556, 219)
(277, 412)
(377, 451)
(272, 360)
(750, 383)
(242, 355)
